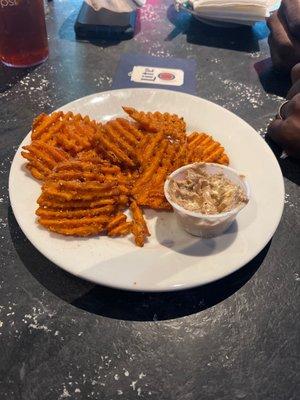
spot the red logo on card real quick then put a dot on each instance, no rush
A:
(166, 76)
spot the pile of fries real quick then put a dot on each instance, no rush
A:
(92, 172)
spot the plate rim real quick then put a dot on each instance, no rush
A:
(183, 286)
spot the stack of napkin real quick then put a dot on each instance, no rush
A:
(234, 11)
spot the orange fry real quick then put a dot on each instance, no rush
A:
(42, 123)
(203, 148)
(107, 147)
(121, 230)
(42, 158)
(76, 227)
(169, 124)
(118, 226)
(50, 202)
(139, 227)
(116, 221)
(78, 213)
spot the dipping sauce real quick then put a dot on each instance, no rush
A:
(206, 193)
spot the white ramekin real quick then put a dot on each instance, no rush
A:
(207, 225)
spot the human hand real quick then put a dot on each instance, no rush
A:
(285, 129)
(284, 38)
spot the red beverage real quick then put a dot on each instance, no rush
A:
(23, 35)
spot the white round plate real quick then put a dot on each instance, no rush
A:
(172, 259)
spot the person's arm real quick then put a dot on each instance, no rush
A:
(285, 131)
(284, 38)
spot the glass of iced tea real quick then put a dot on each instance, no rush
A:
(23, 35)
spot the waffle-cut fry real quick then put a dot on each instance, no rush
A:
(169, 124)
(203, 148)
(77, 136)
(76, 226)
(224, 159)
(181, 157)
(122, 199)
(37, 170)
(52, 126)
(161, 158)
(153, 199)
(86, 186)
(93, 157)
(110, 172)
(77, 201)
(76, 207)
(83, 190)
(116, 221)
(77, 165)
(196, 138)
(77, 170)
(173, 157)
(77, 175)
(76, 222)
(38, 120)
(81, 231)
(151, 168)
(122, 230)
(42, 158)
(71, 141)
(150, 146)
(117, 144)
(42, 124)
(109, 149)
(167, 165)
(139, 227)
(119, 226)
(126, 130)
(142, 145)
(138, 217)
(86, 127)
(69, 131)
(49, 202)
(78, 213)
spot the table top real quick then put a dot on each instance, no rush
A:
(61, 337)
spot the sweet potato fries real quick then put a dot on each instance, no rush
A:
(92, 172)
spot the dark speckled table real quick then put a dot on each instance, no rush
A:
(61, 337)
